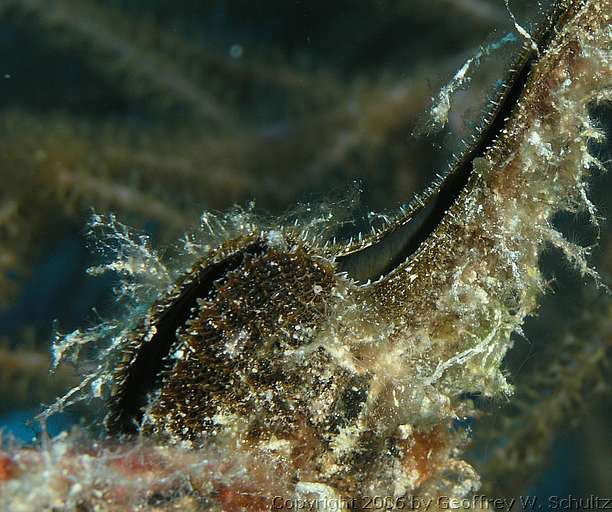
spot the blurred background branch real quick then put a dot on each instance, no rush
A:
(159, 110)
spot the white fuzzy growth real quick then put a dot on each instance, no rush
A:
(521, 30)
(441, 104)
(132, 258)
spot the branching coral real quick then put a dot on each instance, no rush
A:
(551, 401)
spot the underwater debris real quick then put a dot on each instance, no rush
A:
(346, 374)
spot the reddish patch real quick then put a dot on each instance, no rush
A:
(137, 462)
(234, 499)
(424, 451)
(8, 469)
(304, 446)
(118, 495)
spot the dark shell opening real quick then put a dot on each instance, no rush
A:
(402, 241)
(151, 361)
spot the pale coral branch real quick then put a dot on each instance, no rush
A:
(25, 380)
(478, 9)
(121, 197)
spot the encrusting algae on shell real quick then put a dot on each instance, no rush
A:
(344, 366)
